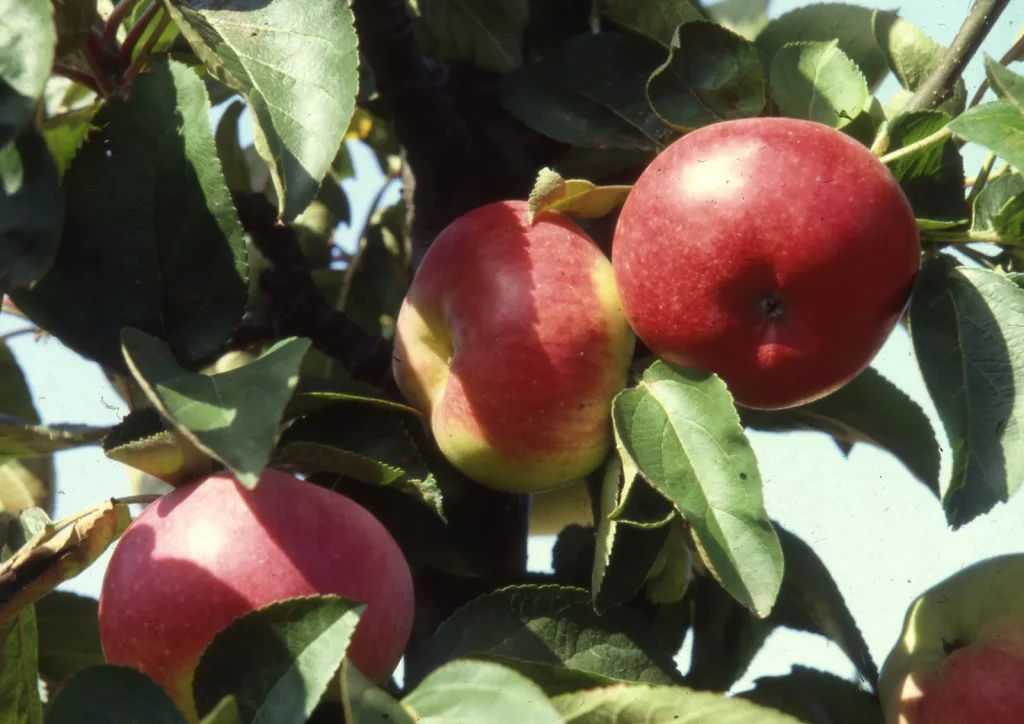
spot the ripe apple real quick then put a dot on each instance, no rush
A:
(961, 654)
(512, 341)
(777, 253)
(211, 551)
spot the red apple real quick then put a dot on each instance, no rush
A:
(512, 341)
(209, 552)
(777, 253)
(961, 655)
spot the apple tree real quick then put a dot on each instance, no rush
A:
(629, 231)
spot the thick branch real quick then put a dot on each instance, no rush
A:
(940, 84)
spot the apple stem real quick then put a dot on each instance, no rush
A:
(937, 137)
(940, 84)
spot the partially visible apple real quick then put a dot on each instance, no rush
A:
(960, 659)
(778, 253)
(512, 341)
(209, 552)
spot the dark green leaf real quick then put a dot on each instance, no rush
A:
(932, 178)
(1007, 84)
(28, 483)
(277, 54)
(277, 661)
(913, 56)
(680, 428)
(31, 210)
(66, 133)
(657, 19)
(998, 126)
(643, 704)
(232, 159)
(711, 75)
(746, 18)
(232, 416)
(965, 324)
(69, 636)
(999, 208)
(591, 93)
(27, 41)
(478, 691)
(540, 630)
(150, 218)
(825, 22)
(377, 279)
(816, 696)
(19, 667)
(818, 82)
(869, 409)
(365, 703)
(489, 34)
(672, 571)
(112, 695)
(73, 18)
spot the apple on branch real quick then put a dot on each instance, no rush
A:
(960, 658)
(211, 551)
(512, 341)
(777, 253)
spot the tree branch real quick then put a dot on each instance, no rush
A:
(940, 84)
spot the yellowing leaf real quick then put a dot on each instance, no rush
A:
(575, 197)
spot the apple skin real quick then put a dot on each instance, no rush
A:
(512, 341)
(777, 253)
(960, 657)
(211, 551)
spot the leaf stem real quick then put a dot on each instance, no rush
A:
(972, 237)
(1015, 52)
(940, 84)
(90, 54)
(78, 76)
(971, 180)
(18, 333)
(117, 16)
(137, 30)
(981, 179)
(140, 61)
(940, 135)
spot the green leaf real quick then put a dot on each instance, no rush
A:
(1007, 84)
(575, 197)
(680, 427)
(112, 695)
(57, 553)
(965, 325)
(850, 25)
(811, 601)
(711, 75)
(31, 210)
(999, 208)
(377, 279)
(591, 93)
(657, 19)
(232, 416)
(73, 19)
(672, 571)
(69, 636)
(542, 630)
(642, 704)
(291, 650)
(818, 82)
(226, 712)
(486, 33)
(143, 441)
(624, 554)
(65, 134)
(913, 56)
(816, 696)
(19, 688)
(277, 53)
(869, 409)
(150, 218)
(27, 41)
(20, 440)
(998, 126)
(478, 691)
(746, 18)
(933, 178)
(232, 159)
(308, 400)
(29, 483)
(365, 703)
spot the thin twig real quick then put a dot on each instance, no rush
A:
(972, 237)
(940, 84)
(91, 50)
(137, 30)
(1003, 168)
(1015, 52)
(117, 16)
(18, 333)
(140, 61)
(78, 76)
(981, 179)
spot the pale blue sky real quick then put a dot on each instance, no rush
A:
(879, 531)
